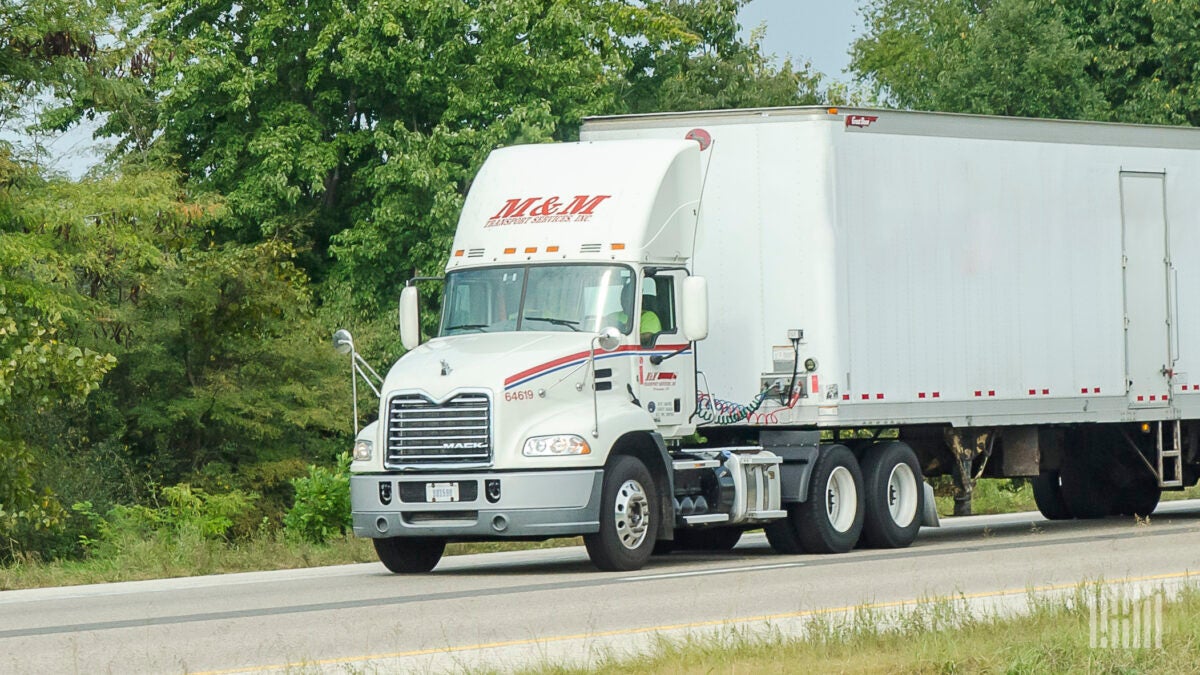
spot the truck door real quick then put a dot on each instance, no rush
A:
(1147, 277)
(666, 389)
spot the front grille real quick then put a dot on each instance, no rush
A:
(420, 431)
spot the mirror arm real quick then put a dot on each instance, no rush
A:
(659, 358)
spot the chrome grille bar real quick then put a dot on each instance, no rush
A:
(456, 430)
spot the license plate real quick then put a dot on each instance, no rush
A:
(441, 492)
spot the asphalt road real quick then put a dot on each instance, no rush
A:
(505, 609)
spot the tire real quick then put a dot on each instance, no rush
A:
(628, 518)
(831, 520)
(409, 555)
(708, 539)
(1085, 492)
(781, 534)
(893, 495)
(1138, 498)
(1047, 492)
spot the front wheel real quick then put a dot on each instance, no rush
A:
(409, 555)
(628, 518)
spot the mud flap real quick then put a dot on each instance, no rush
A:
(929, 516)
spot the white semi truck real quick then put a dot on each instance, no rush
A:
(690, 325)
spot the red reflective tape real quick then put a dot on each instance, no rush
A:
(1141, 398)
(866, 397)
(1083, 390)
(815, 387)
(920, 394)
(991, 392)
(1032, 392)
(845, 397)
(1096, 390)
(878, 396)
(1152, 398)
(1045, 392)
(978, 393)
(937, 394)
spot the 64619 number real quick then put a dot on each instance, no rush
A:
(519, 395)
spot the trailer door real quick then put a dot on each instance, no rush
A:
(1146, 262)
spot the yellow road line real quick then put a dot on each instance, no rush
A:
(694, 624)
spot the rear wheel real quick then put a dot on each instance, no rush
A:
(1047, 492)
(831, 520)
(1138, 498)
(409, 555)
(628, 518)
(891, 477)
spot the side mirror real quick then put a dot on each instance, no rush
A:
(609, 339)
(695, 308)
(410, 320)
(342, 342)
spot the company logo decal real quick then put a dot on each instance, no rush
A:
(462, 446)
(577, 209)
(860, 121)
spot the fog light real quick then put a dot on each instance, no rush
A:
(362, 450)
(551, 446)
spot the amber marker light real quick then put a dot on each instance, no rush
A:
(458, 253)
(551, 249)
(509, 251)
(618, 247)
(531, 249)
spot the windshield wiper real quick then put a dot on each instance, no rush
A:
(477, 326)
(557, 322)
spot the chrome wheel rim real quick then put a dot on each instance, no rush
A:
(841, 499)
(632, 514)
(902, 495)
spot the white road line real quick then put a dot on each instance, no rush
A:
(719, 570)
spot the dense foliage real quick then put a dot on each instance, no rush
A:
(279, 171)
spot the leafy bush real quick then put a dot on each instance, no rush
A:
(322, 507)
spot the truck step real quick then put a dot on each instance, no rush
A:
(766, 515)
(687, 464)
(706, 518)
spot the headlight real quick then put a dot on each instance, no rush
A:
(549, 446)
(362, 450)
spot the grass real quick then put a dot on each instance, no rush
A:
(162, 558)
(944, 637)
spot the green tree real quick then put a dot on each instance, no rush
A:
(1003, 57)
(714, 68)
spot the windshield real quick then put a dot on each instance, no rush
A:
(579, 298)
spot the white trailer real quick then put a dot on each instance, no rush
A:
(880, 295)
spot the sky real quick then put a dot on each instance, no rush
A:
(813, 30)
(819, 31)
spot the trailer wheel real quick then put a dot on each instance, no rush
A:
(628, 518)
(1047, 492)
(1085, 493)
(409, 555)
(891, 476)
(708, 539)
(1139, 498)
(831, 520)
